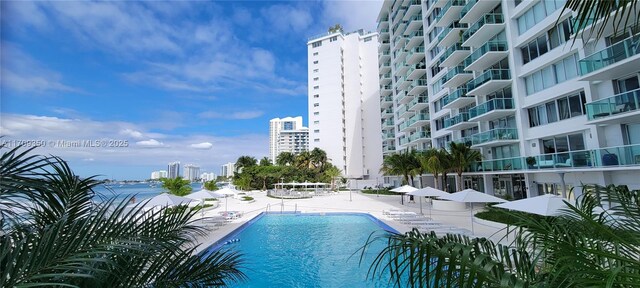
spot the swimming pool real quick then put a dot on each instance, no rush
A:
(307, 250)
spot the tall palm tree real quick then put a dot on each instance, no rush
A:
(176, 186)
(461, 157)
(303, 160)
(434, 161)
(586, 246)
(62, 237)
(285, 158)
(332, 172)
(318, 158)
(265, 161)
(245, 161)
(403, 163)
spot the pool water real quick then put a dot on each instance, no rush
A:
(297, 250)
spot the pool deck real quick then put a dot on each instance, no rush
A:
(343, 202)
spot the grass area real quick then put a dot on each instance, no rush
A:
(379, 192)
(498, 215)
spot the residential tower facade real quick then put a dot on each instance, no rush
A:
(287, 135)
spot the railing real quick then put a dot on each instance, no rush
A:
(617, 156)
(420, 99)
(514, 163)
(458, 93)
(416, 17)
(385, 30)
(401, 96)
(388, 148)
(462, 117)
(416, 50)
(467, 7)
(495, 135)
(388, 122)
(489, 18)
(491, 74)
(491, 46)
(419, 135)
(404, 141)
(386, 87)
(419, 82)
(405, 124)
(386, 64)
(453, 72)
(612, 54)
(388, 135)
(493, 104)
(620, 103)
(417, 33)
(449, 28)
(449, 4)
(465, 140)
(419, 117)
(403, 63)
(387, 99)
(453, 48)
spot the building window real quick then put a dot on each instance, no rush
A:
(334, 38)
(316, 44)
(315, 62)
(556, 36)
(316, 78)
(316, 140)
(315, 53)
(551, 75)
(316, 131)
(537, 13)
(316, 104)
(316, 87)
(367, 39)
(315, 70)
(316, 122)
(316, 96)
(316, 113)
(556, 110)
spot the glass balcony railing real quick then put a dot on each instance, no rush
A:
(419, 135)
(389, 149)
(417, 17)
(388, 75)
(446, 7)
(385, 30)
(514, 163)
(489, 18)
(387, 98)
(458, 93)
(491, 46)
(416, 50)
(462, 117)
(465, 140)
(620, 103)
(387, 112)
(491, 74)
(401, 96)
(387, 64)
(404, 141)
(417, 33)
(419, 117)
(388, 122)
(388, 135)
(386, 87)
(495, 135)
(453, 72)
(491, 105)
(401, 64)
(405, 124)
(617, 156)
(449, 28)
(419, 82)
(453, 48)
(421, 99)
(612, 54)
(467, 7)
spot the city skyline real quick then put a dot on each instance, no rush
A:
(159, 91)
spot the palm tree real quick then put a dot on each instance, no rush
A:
(462, 156)
(265, 161)
(586, 246)
(176, 186)
(62, 237)
(211, 185)
(620, 13)
(332, 172)
(285, 158)
(303, 160)
(403, 163)
(318, 158)
(433, 161)
(245, 161)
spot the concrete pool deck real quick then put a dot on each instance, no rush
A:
(340, 202)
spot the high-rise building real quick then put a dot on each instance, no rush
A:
(155, 175)
(227, 170)
(191, 172)
(287, 135)
(173, 170)
(205, 177)
(547, 114)
(344, 105)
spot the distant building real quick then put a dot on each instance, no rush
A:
(155, 175)
(191, 172)
(205, 177)
(344, 101)
(173, 170)
(228, 169)
(287, 135)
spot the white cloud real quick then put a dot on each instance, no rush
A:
(352, 15)
(132, 133)
(203, 146)
(151, 143)
(287, 17)
(231, 116)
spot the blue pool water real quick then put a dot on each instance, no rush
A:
(298, 250)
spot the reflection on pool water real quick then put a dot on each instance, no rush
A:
(301, 250)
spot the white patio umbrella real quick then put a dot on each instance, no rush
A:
(427, 192)
(545, 205)
(166, 199)
(202, 195)
(472, 196)
(226, 192)
(404, 189)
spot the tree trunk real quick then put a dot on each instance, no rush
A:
(460, 188)
(435, 181)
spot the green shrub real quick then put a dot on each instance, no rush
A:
(247, 198)
(379, 192)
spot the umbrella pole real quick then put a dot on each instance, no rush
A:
(226, 203)
(472, 231)
(421, 206)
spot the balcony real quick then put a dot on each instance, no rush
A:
(402, 83)
(484, 29)
(456, 77)
(464, 140)
(486, 55)
(388, 149)
(416, 54)
(419, 119)
(386, 101)
(492, 109)
(612, 62)
(399, 27)
(388, 123)
(406, 126)
(449, 13)
(459, 122)
(413, 24)
(416, 71)
(495, 137)
(495, 165)
(388, 136)
(419, 103)
(386, 113)
(612, 109)
(402, 98)
(385, 90)
(401, 68)
(475, 9)
(399, 42)
(458, 99)
(404, 141)
(418, 86)
(385, 79)
(489, 81)
(403, 111)
(415, 39)
(384, 56)
(451, 34)
(414, 7)
(419, 137)
(385, 67)
(454, 55)
(384, 45)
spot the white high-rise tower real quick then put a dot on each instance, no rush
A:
(287, 135)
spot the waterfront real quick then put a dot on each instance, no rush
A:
(141, 191)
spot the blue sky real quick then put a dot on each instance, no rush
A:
(195, 82)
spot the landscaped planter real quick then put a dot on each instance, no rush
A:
(446, 205)
(248, 201)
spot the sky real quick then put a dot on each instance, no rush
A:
(120, 89)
